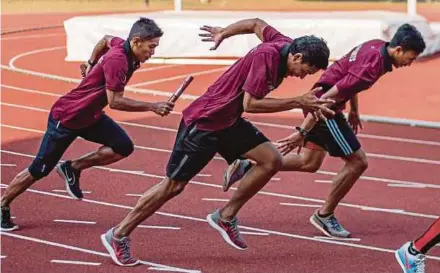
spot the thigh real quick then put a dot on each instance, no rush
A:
(55, 142)
(193, 150)
(108, 133)
(105, 131)
(241, 138)
(335, 136)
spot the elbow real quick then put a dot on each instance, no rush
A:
(114, 105)
(247, 108)
(258, 23)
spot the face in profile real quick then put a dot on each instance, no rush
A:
(297, 68)
(402, 58)
(143, 49)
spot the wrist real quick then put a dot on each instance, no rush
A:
(303, 132)
(91, 62)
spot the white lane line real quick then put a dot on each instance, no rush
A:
(74, 221)
(337, 239)
(88, 251)
(215, 199)
(210, 71)
(323, 181)
(2, 257)
(31, 36)
(418, 186)
(254, 233)
(260, 192)
(284, 234)
(300, 205)
(133, 194)
(64, 191)
(159, 227)
(382, 156)
(273, 125)
(368, 178)
(74, 262)
(8, 165)
(204, 175)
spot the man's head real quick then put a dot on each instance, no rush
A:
(406, 45)
(144, 38)
(307, 55)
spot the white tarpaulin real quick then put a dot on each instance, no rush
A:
(341, 30)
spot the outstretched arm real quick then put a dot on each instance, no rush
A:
(308, 101)
(246, 26)
(117, 101)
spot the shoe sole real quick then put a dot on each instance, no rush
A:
(312, 221)
(222, 232)
(66, 183)
(396, 254)
(113, 254)
(10, 229)
(227, 185)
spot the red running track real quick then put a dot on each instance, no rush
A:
(379, 211)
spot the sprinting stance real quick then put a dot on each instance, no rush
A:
(213, 124)
(79, 113)
(411, 256)
(355, 72)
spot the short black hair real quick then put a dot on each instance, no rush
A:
(409, 38)
(314, 50)
(145, 29)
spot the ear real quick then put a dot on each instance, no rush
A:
(297, 57)
(135, 41)
(398, 49)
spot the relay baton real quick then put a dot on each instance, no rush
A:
(182, 88)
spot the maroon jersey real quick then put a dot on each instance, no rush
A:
(257, 73)
(357, 71)
(84, 105)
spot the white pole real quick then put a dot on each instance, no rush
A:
(411, 7)
(178, 5)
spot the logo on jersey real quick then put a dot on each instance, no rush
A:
(353, 54)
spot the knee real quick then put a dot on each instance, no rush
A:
(124, 148)
(273, 164)
(38, 169)
(173, 188)
(360, 163)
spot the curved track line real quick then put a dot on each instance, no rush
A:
(379, 119)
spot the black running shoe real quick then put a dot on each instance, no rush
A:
(71, 179)
(7, 224)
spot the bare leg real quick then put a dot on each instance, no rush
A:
(309, 161)
(268, 163)
(150, 202)
(103, 156)
(21, 182)
(355, 165)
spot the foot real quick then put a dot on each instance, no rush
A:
(410, 262)
(119, 249)
(235, 172)
(329, 225)
(7, 224)
(228, 230)
(71, 179)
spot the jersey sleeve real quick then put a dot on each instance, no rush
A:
(360, 76)
(256, 82)
(270, 34)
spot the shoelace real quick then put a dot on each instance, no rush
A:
(420, 263)
(125, 244)
(334, 223)
(234, 229)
